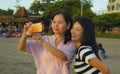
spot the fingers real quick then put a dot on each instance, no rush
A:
(36, 36)
(27, 26)
(26, 29)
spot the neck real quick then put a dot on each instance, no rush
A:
(58, 37)
(77, 44)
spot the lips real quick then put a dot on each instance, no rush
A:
(73, 35)
(56, 28)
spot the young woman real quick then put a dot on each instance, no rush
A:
(53, 54)
(87, 60)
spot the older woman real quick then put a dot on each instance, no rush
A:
(53, 54)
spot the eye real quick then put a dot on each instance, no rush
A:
(53, 22)
(77, 29)
(60, 22)
(72, 28)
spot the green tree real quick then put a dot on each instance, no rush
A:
(107, 21)
(8, 12)
(39, 6)
(36, 7)
(73, 6)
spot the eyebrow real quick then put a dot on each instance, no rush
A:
(76, 27)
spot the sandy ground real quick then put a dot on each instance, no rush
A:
(13, 61)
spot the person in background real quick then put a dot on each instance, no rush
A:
(0, 33)
(102, 51)
(53, 54)
(87, 60)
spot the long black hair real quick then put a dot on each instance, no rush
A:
(88, 37)
(68, 18)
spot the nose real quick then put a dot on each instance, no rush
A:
(56, 24)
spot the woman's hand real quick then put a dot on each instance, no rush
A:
(22, 41)
(53, 50)
(37, 37)
(26, 28)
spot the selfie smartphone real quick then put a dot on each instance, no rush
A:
(35, 28)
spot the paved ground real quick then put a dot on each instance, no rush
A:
(13, 61)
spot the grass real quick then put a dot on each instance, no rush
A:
(107, 35)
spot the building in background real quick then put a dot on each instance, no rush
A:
(113, 6)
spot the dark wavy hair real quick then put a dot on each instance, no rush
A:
(68, 18)
(88, 37)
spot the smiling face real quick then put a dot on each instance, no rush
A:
(59, 24)
(77, 32)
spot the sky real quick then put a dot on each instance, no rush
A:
(99, 6)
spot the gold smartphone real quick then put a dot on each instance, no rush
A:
(36, 27)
